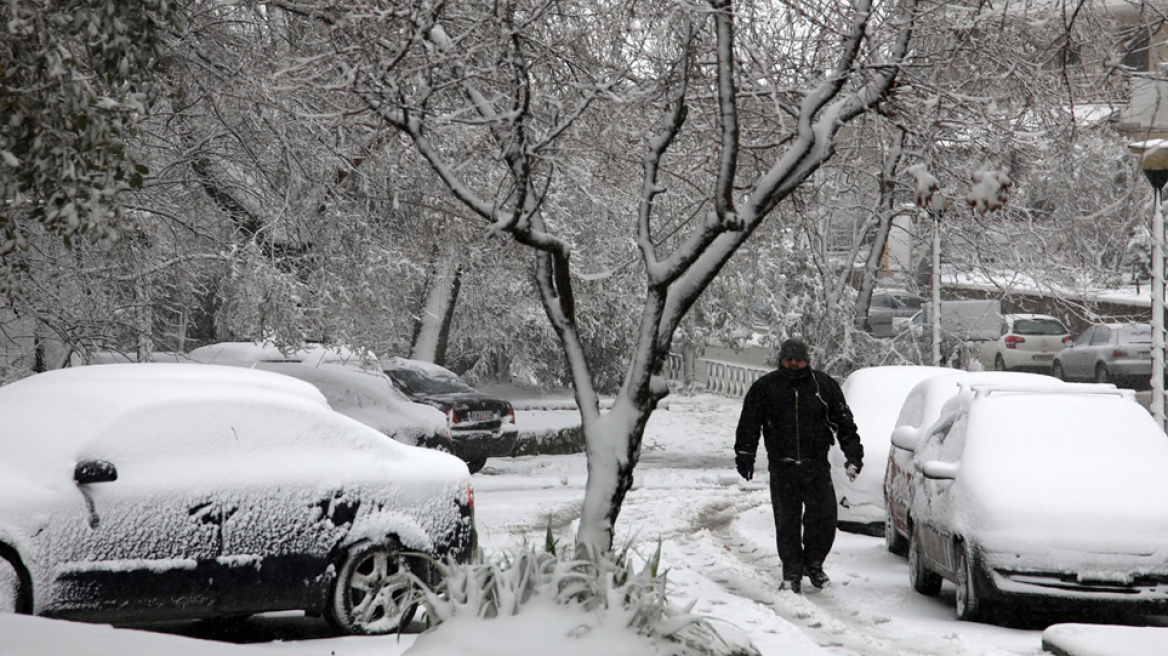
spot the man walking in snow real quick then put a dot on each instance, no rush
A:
(801, 413)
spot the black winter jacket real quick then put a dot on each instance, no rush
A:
(799, 418)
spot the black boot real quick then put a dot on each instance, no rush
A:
(795, 585)
(817, 575)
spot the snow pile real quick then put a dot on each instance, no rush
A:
(1093, 640)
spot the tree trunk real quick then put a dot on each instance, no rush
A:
(432, 327)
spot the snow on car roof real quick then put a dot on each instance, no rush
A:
(923, 404)
(50, 416)
(875, 395)
(367, 396)
(1062, 457)
(249, 353)
(418, 365)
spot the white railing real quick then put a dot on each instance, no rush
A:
(731, 378)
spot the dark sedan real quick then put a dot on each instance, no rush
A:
(482, 426)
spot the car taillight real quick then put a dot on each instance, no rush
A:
(1119, 353)
(451, 417)
(509, 418)
(469, 495)
(1068, 340)
(1013, 341)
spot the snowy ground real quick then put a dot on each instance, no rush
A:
(718, 541)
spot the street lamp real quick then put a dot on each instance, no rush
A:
(1154, 163)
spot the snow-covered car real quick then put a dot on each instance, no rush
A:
(874, 395)
(350, 383)
(139, 492)
(888, 305)
(246, 354)
(371, 398)
(482, 426)
(1039, 498)
(1114, 352)
(920, 409)
(1028, 342)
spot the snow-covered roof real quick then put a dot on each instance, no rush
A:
(367, 396)
(97, 398)
(249, 353)
(428, 368)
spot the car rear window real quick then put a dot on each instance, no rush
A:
(417, 382)
(1135, 335)
(1038, 327)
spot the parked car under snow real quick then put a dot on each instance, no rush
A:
(482, 426)
(350, 384)
(370, 398)
(1037, 498)
(919, 410)
(874, 395)
(138, 492)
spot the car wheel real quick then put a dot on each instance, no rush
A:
(923, 581)
(14, 598)
(1101, 374)
(999, 363)
(374, 593)
(1056, 370)
(970, 605)
(475, 464)
(9, 587)
(894, 541)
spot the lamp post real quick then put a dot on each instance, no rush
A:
(936, 216)
(1154, 163)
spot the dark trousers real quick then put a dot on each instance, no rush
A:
(803, 499)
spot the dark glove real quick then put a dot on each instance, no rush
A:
(745, 464)
(853, 470)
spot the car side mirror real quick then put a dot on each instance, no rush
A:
(906, 437)
(95, 471)
(940, 471)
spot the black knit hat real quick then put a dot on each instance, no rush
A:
(793, 348)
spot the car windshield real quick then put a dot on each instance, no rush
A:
(910, 302)
(416, 382)
(1038, 327)
(1138, 334)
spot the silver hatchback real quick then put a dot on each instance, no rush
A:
(1106, 353)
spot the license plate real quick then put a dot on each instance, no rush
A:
(482, 415)
(1043, 358)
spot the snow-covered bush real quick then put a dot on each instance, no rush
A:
(595, 596)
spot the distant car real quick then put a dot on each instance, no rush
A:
(1118, 353)
(371, 398)
(1028, 341)
(1001, 506)
(482, 426)
(888, 304)
(874, 395)
(348, 384)
(920, 409)
(247, 354)
(142, 492)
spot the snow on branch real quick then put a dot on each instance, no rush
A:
(989, 190)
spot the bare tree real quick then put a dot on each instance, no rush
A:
(537, 79)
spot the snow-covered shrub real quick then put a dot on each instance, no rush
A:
(603, 592)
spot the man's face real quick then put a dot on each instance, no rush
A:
(793, 362)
